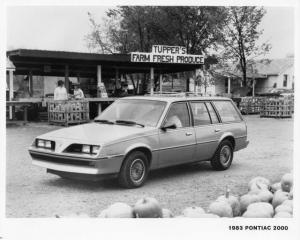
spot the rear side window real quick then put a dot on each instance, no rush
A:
(179, 114)
(200, 113)
(227, 111)
(212, 113)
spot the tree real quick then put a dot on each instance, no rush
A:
(137, 28)
(240, 36)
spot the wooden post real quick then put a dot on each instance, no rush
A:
(172, 82)
(11, 92)
(99, 81)
(188, 84)
(195, 82)
(67, 78)
(151, 80)
(253, 87)
(229, 85)
(160, 82)
(30, 83)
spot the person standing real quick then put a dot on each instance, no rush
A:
(60, 92)
(78, 93)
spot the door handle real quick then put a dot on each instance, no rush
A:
(217, 130)
(188, 134)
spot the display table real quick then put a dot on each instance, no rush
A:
(68, 112)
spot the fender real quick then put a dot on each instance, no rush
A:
(137, 145)
(225, 135)
(154, 156)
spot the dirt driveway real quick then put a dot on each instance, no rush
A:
(31, 192)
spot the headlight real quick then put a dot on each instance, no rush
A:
(41, 143)
(83, 148)
(95, 149)
(90, 149)
(86, 149)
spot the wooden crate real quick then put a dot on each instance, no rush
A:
(250, 105)
(277, 108)
(68, 112)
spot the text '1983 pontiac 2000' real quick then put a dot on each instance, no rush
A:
(137, 134)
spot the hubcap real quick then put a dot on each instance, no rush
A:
(137, 170)
(225, 154)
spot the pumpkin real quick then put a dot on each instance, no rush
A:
(147, 208)
(264, 195)
(117, 210)
(279, 197)
(74, 215)
(283, 215)
(287, 182)
(103, 214)
(232, 201)
(258, 182)
(291, 194)
(246, 200)
(193, 212)
(274, 187)
(167, 213)
(284, 208)
(208, 215)
(288, 202)
(221, 208)
(259, 210)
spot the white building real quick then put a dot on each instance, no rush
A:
(267, 76)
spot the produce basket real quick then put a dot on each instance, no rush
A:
(277, 108)
(68, 112)
(251, 105)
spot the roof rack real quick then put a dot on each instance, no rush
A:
(175, 94)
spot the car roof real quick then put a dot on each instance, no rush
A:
(175, 99)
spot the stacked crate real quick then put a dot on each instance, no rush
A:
(250, 105)
(277, 108)
(68, 112)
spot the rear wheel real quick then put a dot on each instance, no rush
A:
(223, 157)
(134, 170)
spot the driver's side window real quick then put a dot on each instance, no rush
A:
(178, 115)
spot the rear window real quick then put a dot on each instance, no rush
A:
(227, 111)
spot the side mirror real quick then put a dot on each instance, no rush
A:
(169, 126)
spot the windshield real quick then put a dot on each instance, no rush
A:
(145, 112)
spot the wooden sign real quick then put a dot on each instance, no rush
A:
(167, 54)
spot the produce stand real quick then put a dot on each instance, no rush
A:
(25, 104)
(68, 112)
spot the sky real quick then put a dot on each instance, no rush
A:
(63, 28)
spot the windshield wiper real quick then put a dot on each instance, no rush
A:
(129, 122)
(104, 121)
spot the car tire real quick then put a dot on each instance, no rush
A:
(223, 157)
(134, 170)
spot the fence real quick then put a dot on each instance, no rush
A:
(68, 112)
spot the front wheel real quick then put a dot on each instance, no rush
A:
(223, 156)
(134, 170)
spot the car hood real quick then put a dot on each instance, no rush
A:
(98, 133)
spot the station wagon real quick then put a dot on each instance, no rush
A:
(137, 134)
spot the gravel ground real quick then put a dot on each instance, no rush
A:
(31, 192)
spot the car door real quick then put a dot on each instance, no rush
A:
(177, 145)
(232, 122)
(207, 129)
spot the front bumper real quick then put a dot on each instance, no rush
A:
(62, 163)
